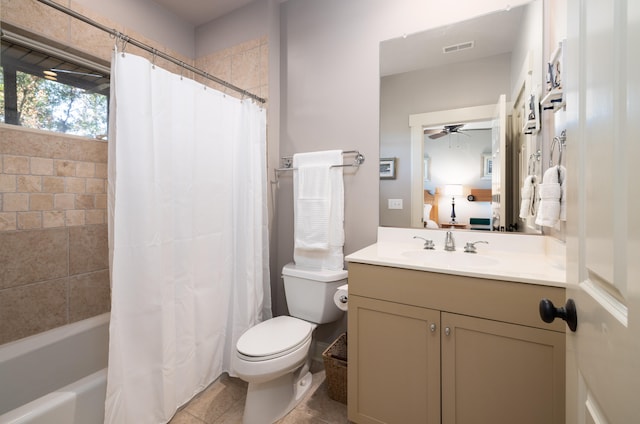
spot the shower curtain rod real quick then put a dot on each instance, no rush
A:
(128, 40)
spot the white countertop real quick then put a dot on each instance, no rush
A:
(521, 258)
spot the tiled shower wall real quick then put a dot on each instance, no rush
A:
(245, 65)
(53, 231)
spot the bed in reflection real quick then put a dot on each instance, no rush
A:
(430, 212)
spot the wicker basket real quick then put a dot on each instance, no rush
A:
(335, 365)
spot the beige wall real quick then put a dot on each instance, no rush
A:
(53, 230)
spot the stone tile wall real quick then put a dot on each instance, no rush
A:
(245, 65)
(53, 231)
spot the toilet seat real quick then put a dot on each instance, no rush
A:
(273, 338)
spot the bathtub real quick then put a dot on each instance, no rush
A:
(59, 376)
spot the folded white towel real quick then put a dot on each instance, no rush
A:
(313, 207)
(551, 175)
(318, 210)
(549, 193)
(548, 213)
(528, 196)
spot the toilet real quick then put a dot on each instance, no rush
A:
(273, 356)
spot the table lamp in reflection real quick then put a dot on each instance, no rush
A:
(453, 190)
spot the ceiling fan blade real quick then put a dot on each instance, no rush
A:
(438, 135)
(432, 131)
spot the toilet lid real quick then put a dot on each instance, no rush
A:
(274, 336)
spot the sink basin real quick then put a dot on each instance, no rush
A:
(449, 259)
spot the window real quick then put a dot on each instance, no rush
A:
(50, 89)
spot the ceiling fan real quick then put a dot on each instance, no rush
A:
(446, 130)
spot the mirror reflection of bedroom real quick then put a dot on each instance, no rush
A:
(427, 88)
(454, 154)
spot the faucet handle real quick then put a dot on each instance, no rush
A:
(471, 247)
(428, 244)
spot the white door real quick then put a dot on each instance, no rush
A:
(603, 227)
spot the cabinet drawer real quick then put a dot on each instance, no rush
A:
(491, 299)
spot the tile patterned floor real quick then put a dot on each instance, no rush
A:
(223, 403)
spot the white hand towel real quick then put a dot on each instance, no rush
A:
(548, 213)
(549, 194)
(528, 197)
(313, 207)
(549, 191)
(318, 210)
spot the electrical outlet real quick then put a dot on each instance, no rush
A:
(395, 203)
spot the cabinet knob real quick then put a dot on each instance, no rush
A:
(433, 328)
(548, 313)
(447, 331)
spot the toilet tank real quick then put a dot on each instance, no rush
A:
(310, 293)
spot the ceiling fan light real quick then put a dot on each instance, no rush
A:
(49, 74)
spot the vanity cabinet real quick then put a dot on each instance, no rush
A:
(437, 348)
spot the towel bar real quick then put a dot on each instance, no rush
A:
(287, 162)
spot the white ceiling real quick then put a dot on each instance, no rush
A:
(199, 12)
(492, 34)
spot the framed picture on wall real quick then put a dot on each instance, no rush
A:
(487, 165)
(555, 69)
(387, 168)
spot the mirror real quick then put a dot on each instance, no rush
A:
(425, 92)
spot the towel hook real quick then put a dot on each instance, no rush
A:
(561, 142)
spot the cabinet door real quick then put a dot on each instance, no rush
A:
(494, 372)
(394, 363)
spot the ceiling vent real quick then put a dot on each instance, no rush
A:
(458, 47)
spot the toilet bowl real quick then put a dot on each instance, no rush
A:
(273, 356)
(262, 358)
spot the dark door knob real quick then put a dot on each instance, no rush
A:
(548, 312)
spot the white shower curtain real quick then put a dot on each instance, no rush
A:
(188, 237)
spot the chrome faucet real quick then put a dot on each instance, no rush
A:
(471, 247)
(449, 244)
(428, 244)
